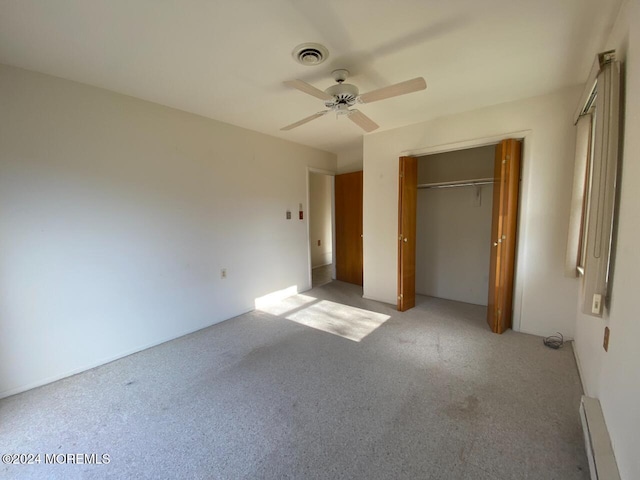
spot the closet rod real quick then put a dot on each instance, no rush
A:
(459, 183)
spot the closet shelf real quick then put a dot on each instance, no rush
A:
(458, 183)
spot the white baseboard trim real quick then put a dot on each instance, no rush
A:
(323, 265)
(580, 375)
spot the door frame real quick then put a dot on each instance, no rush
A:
(523, 202)
(331, 174)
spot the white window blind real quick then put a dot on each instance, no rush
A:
(598, 184)
(574, 256)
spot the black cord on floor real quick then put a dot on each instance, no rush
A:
(554, 341)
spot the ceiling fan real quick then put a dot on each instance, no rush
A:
(338, 98)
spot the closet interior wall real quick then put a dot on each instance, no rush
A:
(454, 225)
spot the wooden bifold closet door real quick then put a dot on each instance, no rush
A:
(503, 234)
(348, 215)
(407, 205)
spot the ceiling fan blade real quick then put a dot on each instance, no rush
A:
(401, 88)
(305, 120)
(308, 89)
(364, 122)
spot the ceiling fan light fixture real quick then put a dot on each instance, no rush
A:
(342, 110)
(310, 54)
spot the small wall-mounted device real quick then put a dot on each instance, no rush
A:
(288, 214)
(300, 214)
(597, 304)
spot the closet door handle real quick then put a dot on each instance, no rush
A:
(495, 244)
(405, 240)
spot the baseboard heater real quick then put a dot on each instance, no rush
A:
(602, 462)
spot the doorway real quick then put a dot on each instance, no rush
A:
(321, 231)
(457, 228)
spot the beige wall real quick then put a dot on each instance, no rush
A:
(320, 188)
(468, 164)
(614, 376)
(350, 158)
(117, 217)
(454, 226)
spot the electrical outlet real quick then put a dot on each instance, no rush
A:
(319, 243)
(223, 273)
(605, 343)
(596, 305)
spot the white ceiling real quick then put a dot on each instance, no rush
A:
(227, 59)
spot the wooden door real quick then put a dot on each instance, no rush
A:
(503, 234)
(348, 215)
(407, 203)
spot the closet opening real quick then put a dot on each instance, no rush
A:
(453, 224)
(463, 206)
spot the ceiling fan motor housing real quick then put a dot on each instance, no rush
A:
(343, 94)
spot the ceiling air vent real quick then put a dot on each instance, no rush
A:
(310, 54)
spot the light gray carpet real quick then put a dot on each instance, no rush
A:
(429, 394)
(321, 275)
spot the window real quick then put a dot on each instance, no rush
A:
(592, 210)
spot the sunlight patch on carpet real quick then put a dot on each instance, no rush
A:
(283, 301)
(348, 322)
